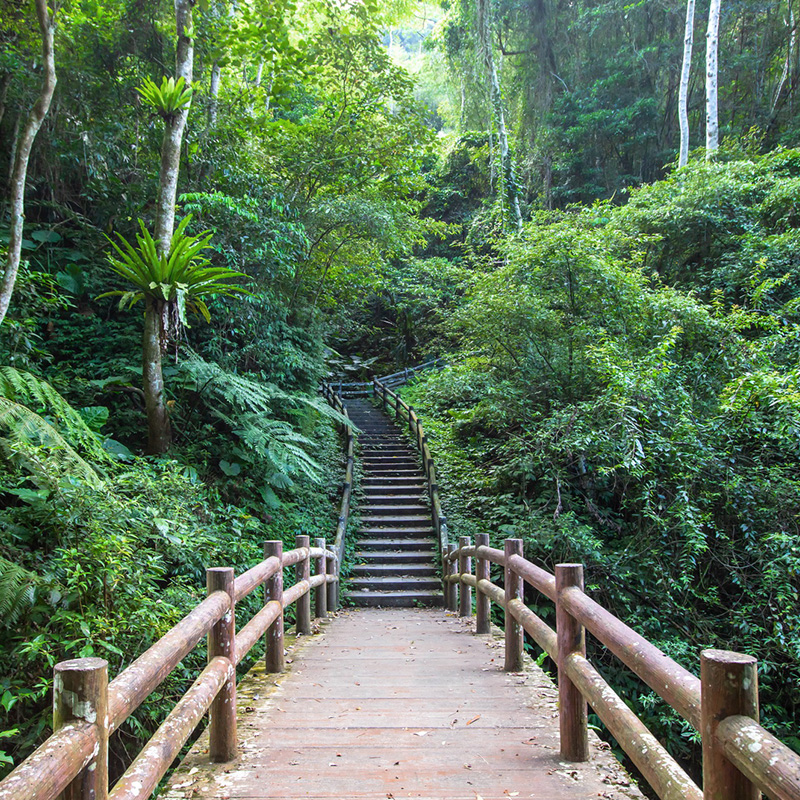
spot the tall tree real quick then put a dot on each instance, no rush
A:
(156, 322)
(19, 170)
(712, 74)
(683, 94)
(509, 187)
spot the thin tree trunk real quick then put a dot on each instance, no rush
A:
(159, 433)
(4, 84)
(712, 69)
(786, 64)
(213, 93)
(683, 94)
(173, 133)
(19, 171)
(506, 167)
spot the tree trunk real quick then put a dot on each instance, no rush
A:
(683, 112)
(213, 94)
(506, 167)
(712, 68)
(19, 170)
(173, 133)
(5, 82)
(159, 433)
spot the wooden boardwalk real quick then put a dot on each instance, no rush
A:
(395, 703)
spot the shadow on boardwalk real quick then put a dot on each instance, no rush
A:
(396, 703)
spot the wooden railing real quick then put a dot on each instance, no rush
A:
(335, 401)
(364, 388)
(740, 758)
(403, 411)
(87, 708)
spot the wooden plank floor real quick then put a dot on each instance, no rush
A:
(395, 703)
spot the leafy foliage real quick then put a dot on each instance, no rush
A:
(168, 98)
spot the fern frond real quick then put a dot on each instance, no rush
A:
(25, 389)
(17, 586)
(34, 444)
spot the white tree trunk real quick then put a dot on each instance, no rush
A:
(213, 94)
(683, 93)
(485, 38)
(173, 133)
(712, 69)
(19, 170)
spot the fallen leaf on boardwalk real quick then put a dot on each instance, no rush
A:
(511, 794)
(421, 733)
(474, 719)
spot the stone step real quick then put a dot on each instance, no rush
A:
(384, 556)
(371, 508)
(396, 480)
(394, 583)
(394, 570)
(402, 599)
(385, 472)
(412, 544)
(382, 521)
(376, 499)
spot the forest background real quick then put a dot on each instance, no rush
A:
(493, 182)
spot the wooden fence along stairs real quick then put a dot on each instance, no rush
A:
(379, 675)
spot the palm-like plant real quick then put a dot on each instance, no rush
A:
(170, 284)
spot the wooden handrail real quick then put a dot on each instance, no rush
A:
(751, 758)
(70, 754)
(404, 411)
(347, 489)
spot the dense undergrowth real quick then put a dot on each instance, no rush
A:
(625, 393)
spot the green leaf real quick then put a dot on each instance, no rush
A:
(45, 235)
(230, 469)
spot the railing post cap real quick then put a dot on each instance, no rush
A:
(219, 570)
(726, 657)
(569, 566)
(88, 664)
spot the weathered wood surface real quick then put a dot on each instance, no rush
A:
(395, 703)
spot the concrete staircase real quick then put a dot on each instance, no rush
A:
(396, 543)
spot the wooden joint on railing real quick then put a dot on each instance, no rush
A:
(729, 687)
(80, 693)
(222, 642)
(572, 710)
(332, 569)
(303, 573)
(464, 568)
(482, 602)
(321, 592)
(273, 591)
(513, 589)
(450, 589)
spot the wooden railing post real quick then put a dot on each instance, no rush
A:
(513, 589)
(729, 687)
(303, 573)
(333, 587)
(321, 592)
(274, 660)
(464, 568)
(222, 642)
(573, 714)
(482, 604)
(80, 692)
(451, 590)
